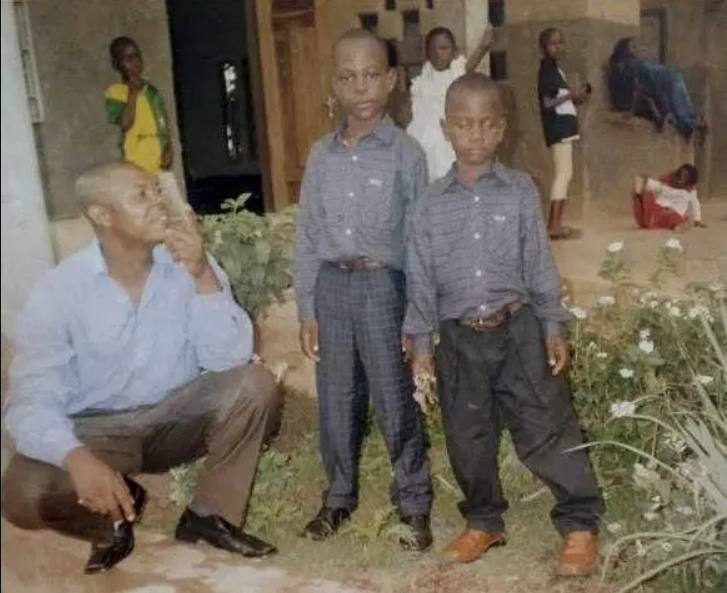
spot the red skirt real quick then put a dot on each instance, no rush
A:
(651, 215)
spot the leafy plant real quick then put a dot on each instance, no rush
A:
(255, 251)
(650, 377)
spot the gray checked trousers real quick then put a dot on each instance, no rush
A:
(359, 316)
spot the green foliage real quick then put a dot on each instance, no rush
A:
(650, 381)
(255, 251)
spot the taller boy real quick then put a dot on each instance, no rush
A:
(359, 187)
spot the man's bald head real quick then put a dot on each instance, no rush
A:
(361, 36)
(106, 184)
(476, 83)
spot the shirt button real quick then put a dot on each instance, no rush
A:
(354, 158)
(351, 194)
(477, 235)
(477, 199)
(348, 231)
(478, 273)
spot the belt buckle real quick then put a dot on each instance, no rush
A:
(482, 324)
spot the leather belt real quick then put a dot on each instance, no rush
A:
(483, 323)
(358, 264)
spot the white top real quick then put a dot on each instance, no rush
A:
(428, 92)
(682, 201)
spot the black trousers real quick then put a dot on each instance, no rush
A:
(488, 380)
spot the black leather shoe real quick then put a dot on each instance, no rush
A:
(138, 493)
(107, 555)
(419, 537)
(217, 532)
(326, 523)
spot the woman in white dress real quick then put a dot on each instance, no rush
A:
(444, 64)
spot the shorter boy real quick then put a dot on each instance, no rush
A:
(670, 202)
(480, 272)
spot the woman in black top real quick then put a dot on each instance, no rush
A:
(560, 125)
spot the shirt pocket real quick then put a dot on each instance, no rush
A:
(502, 236)
(105, 328)
(381, 203)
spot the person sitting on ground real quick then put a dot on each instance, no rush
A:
(109, 381)
(444, 64)
(482, 280)
(654, 91)
(670, 202)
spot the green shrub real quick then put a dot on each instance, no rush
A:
(255, 251)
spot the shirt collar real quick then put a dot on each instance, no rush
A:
(499, 171)
(160, 256)
(383, 132)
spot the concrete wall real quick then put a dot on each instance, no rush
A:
(71, 44)
(26, 251)
(614, 149)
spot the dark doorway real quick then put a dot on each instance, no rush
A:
(215, 102)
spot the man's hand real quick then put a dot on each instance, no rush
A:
(309, 338)
(187, 247)
(422, 364)
(100, 489)
(557, 349)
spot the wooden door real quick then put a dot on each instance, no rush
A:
(294, 44)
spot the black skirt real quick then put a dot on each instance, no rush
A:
(556, 126)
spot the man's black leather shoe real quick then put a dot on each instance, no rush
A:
(326, 523)
(107, 555)
(217, 532)
(419, 537)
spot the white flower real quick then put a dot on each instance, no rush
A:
(685, 510)
(698, 311)
(625, 373)
(647, 296)
(640, 548)
(606, 300)
(615, 247)
(578, 312)
(601, 355)
(666, 546)
(621, 409)
(650, 516)
(218, 238)
(675, 311)
(646, 346)
(675, 443)
(640, 471)
(674, 244)
(613, 528)
(645, 334)
(704, 379)
(653, 304)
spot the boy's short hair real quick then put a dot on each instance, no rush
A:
(362, 35)
(474, 82)
(690, 172)
(545, 36)
(436, 32)
(116, 46)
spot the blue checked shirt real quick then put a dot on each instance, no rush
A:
(356, 202)
(82, 344)
(473, 251)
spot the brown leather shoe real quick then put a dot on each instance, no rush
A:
(579, 555)
(469, 545)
